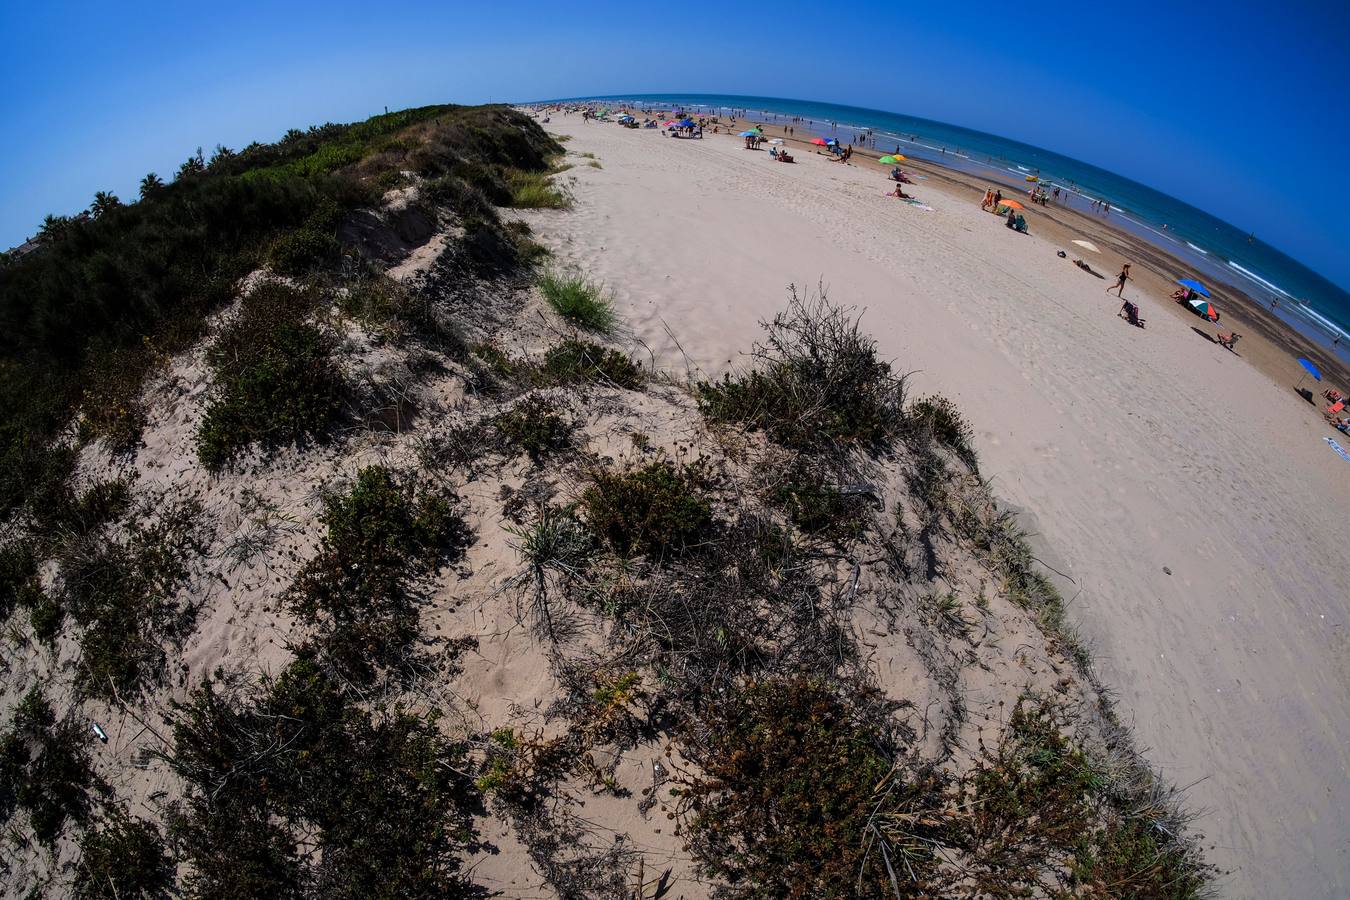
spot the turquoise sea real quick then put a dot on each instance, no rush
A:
(1216, 251)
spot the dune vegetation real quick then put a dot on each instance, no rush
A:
(337, 562)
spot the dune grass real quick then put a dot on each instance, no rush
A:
(533, 190)
(578, 300)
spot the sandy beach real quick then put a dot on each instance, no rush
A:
(1187, 495)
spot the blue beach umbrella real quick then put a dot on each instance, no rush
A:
(1312, 370)
(687, 123)
(1194, 285)
(749, 134)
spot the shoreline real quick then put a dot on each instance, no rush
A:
(1283, 343)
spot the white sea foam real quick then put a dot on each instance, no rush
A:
(1197, 249)
(1261, 281)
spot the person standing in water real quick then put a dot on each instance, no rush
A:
(1123, 277)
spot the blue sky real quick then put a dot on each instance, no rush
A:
(1239, 108)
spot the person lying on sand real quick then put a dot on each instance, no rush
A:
(1229, 339)
(1088, 269)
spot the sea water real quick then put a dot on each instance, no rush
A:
(1212, 250)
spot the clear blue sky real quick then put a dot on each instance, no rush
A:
(1239, 108)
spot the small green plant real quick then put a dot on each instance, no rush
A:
(575, 361)
(942, 420)
(616, 693)
(658, 509)
(578, 300)
(533, 190)
(534, 426)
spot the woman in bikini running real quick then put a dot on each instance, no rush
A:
(1123, 277)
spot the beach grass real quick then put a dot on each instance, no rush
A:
(533, 190)
(578, 300)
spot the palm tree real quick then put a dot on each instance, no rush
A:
(149, 184)
(195, 165)
(103, 201)
(53, 228)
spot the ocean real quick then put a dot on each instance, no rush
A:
(1215, 251)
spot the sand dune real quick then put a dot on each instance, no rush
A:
(1192, 500)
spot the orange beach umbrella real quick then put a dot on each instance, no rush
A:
(1013, 203)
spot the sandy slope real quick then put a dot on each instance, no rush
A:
(1135, 450)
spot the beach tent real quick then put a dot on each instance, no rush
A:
(1194, 285)
(1206, 309)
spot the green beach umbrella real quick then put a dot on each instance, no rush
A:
(891, 160)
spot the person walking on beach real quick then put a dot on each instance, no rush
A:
(998, 197)
(1106, 207)
(1123, 277)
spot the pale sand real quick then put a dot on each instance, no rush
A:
(1134, 450)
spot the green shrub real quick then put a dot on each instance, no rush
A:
(357, 592)
(158, 267)
(45, 768)
(577, 300)
(795, 796)
(123, 593)
(817, 383)
(18, 577)
(942, 420)
(276, 380)
(534, 426)
(124, 859)
(1037, 804)
(658, 509)
(575, 361)
(817, 506)
(377, 798)
(46, 618)
(313, 245)
(533, 190)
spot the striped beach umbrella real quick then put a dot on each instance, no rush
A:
(1205, 308)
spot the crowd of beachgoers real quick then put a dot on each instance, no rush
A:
(1010, 207)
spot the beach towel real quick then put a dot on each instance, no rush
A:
(1088, 245)
(918, 204)
(1339, 449)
